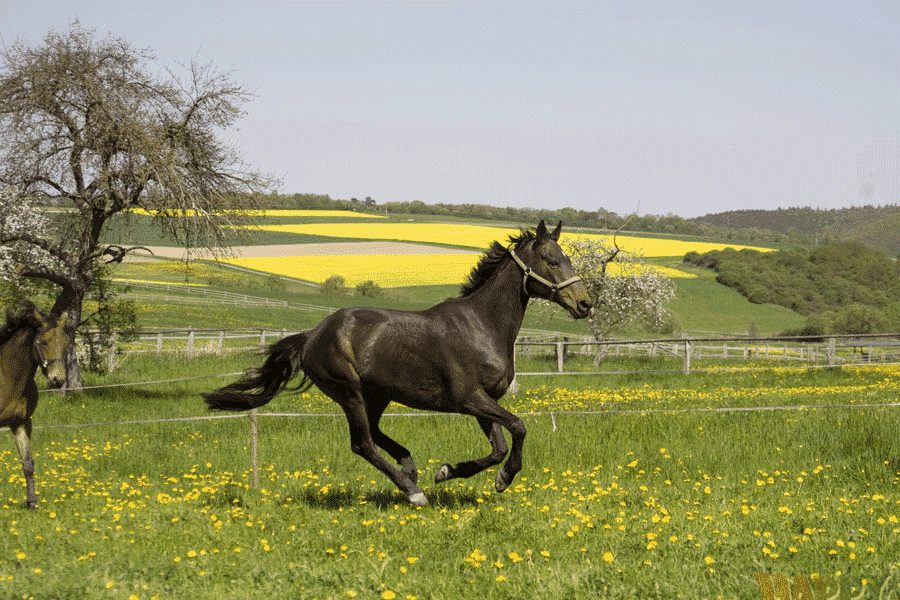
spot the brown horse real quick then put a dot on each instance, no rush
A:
(455, 357)
(29, 339)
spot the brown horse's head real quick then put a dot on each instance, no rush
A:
(50, 346)
(548, 273)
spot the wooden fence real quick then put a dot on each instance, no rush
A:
(685, 352)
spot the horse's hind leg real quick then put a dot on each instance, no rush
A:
(494, 433)
(22, 434)
(363, 444)
(397, 451)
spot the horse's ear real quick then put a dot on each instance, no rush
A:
(555, 235)
(44, 319)
(541, 230)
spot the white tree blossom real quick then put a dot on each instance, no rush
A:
(20, 219)
(624, 288)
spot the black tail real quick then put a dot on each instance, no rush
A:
(260, 385)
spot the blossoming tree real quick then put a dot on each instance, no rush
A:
(637, 293)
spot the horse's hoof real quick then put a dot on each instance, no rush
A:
(501, 482)
(443, 474)
(418, 499)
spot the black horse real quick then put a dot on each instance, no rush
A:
(28, 339)
(455, 357)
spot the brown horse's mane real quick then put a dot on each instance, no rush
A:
(492, 260)
(25, 316)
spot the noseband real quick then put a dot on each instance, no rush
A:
(44, 363)
(554, 287)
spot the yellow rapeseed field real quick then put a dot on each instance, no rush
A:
(481, 236)
(387, 270)
(423, 269)
(472, 236)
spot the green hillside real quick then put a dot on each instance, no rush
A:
(701, 304)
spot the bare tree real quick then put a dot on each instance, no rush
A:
(95, 126)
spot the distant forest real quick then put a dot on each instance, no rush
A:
(841, 287)
(875, 226)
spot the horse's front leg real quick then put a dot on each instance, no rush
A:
(491, 416)
(494, 433)
(22, 435)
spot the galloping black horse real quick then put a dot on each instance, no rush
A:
(28, 339)
(455, 357)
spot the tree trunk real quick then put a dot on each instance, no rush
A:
(73, 370)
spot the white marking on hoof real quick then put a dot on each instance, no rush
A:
(443, 474)
(418, 499)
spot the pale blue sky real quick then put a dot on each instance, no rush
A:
(657, 107)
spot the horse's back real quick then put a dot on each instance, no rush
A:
(427, 359)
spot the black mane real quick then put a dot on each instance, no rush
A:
(492, 259)
(25, 316)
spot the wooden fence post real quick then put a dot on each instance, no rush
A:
(221, 349)
(159, 342)
(190, 343)
(254, 449)
(687, 357)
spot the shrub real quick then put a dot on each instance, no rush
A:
(334, 285)
(368, 288)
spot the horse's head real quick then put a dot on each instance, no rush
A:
(549, 273)
(50, 345)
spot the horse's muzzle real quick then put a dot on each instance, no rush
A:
(55, 370)
(582, 309)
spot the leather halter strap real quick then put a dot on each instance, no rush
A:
(554, 287)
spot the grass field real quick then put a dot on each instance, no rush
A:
(634, 486)
(641, 484)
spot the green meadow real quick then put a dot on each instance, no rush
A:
(741, 480)
(661, 485)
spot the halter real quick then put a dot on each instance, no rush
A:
(554, 287)
(44, 362)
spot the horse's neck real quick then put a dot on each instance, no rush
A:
(18, 351)
(501, 302)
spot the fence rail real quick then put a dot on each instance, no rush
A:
(187, 294)
(830, 351)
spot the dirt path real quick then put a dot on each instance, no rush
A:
(327, 249)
